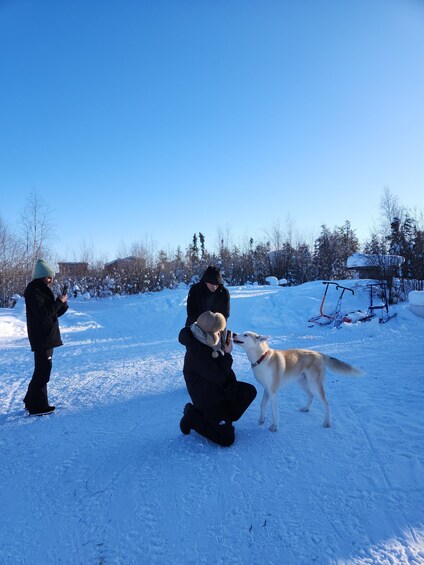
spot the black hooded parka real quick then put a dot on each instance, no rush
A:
(200, 299)
(209, 380)
(43, 311)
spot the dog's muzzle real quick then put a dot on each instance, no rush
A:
(236, 340)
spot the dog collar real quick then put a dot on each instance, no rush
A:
(261, 358)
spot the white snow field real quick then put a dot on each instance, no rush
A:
(109, 478)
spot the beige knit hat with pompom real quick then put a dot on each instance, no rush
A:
(211, 322)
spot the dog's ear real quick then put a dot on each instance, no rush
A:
(264, 337)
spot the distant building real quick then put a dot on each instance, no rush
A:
(125, 263)
(375, 266)
(73, 269)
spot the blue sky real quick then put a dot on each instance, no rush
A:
(151, 120)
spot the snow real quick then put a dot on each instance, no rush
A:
(109, 478)
(364, 260)
(416, 298)
(272, 281)
(416, 302)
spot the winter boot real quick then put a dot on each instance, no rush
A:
(42, 411)
(185, 425)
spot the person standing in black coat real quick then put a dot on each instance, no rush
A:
(218, 399)
(209, 294)
(42, 313)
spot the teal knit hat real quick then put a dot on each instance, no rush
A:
(42, 269)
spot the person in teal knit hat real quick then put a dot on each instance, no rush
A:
(42, 313)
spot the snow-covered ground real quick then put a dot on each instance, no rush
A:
(109, 478)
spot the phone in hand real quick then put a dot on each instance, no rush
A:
(64, 290)
(228, 337)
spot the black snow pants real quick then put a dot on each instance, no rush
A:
(36, 396)
(216, 423)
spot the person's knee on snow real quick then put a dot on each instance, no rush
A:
(226, 435)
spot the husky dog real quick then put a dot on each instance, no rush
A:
(275, 368)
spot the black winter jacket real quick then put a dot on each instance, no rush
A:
(200, 299)
(209, 381)
(42, 312)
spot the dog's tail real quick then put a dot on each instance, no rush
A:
(341, 367)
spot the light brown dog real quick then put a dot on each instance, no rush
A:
(275, 368)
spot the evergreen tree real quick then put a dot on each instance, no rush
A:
(192, 255)
(417, 266)
(261, 262)
(324, 254)
(281, 260)
(194, 250)
(376, 245)
(302, 269)
(247, 270)
(202, 246)
(401, 242)
(346, 245)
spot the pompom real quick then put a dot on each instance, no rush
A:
(215, 354)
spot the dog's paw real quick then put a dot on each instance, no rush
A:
(273, 428)
(261, 421)
(326, 424)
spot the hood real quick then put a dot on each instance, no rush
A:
(185, 336)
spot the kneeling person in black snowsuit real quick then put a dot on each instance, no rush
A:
(218, 399)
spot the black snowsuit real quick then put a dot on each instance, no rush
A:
(218, 398)
(200, 299)
(42, 312)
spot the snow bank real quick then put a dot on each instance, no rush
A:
(272, 281)
(9, 327)
(416, 302)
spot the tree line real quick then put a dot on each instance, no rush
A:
(279, 254)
